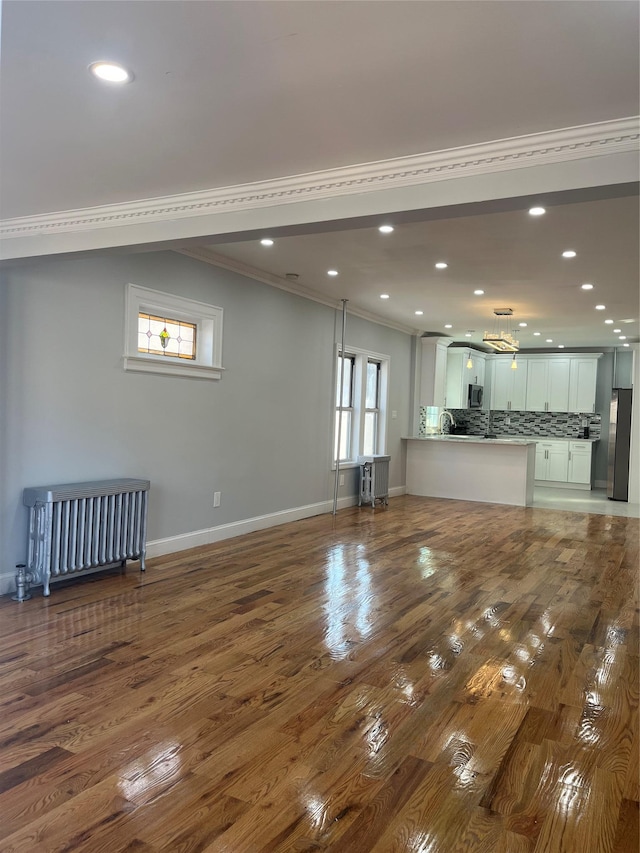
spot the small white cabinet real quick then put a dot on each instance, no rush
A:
(464, 367)
(508, 386)
(579, 470)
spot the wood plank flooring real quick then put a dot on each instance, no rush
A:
(437, 677)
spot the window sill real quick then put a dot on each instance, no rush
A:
(344, 465)
(136, 364)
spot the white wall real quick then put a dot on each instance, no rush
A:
(261, 435)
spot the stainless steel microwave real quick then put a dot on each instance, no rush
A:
(475, 396)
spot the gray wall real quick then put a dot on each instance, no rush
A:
(260, 435)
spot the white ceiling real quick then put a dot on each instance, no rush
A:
(514, 257)
(234, 92)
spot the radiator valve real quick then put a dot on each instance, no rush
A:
(23, 582)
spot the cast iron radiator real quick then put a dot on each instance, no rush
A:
(80, 526)
(374, 479)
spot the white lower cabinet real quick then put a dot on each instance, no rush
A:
(552, 461)
(564, 462)
(579, 463)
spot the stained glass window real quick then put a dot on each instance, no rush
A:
(166, 336)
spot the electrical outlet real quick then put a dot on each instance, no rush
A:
(216, 499)
(342, 479)
(394, 415)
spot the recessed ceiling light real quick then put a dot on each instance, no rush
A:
(419, 313)
(569, 254)
(523, 325)
(586, 286)
(332, 272)
(385, 229)
(384, 296)
(478, 292)
(537, 334)
(537, 211)
(111, 72)
(600, 307)
(441, 265)
(625, 345)
(448, 326)
(560, 346)
(608, 322)
(266, 241)
(622, 337)
(549, 340)
(468, 334)
(617, 331)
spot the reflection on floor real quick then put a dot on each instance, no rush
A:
(574, 500)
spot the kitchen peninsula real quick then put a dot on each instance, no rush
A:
(471, 468)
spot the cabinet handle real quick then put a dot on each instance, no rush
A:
(569, 455)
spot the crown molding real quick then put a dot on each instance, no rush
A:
(520, 152)
(209, 257)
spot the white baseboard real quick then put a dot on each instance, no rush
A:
(7, 582)
(183, 541)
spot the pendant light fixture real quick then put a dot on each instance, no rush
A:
(514, 363)
(501, 340)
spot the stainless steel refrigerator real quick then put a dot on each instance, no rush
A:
(619, 445)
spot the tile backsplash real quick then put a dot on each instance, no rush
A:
(546, 424)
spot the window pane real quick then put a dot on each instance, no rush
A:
(373, 372)
(370, 430)
(165, 336)
(348, 380)
(345, 436)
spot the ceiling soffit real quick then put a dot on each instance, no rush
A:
(182, 216)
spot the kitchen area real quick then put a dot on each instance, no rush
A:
(521, 428)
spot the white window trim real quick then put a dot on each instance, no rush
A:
(359, 399)
(207, 318)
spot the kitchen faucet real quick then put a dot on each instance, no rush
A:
(451, 418)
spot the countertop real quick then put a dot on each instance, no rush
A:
(500, 439)
(470, 439)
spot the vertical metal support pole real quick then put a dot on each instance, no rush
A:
(340, 407)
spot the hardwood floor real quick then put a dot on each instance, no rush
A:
(437, 677)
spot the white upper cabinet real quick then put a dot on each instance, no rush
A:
(460, 375)
(475, 373)
(508, 386)
(548, 384)
(582, 384)
(537, 382)
(433, 371)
